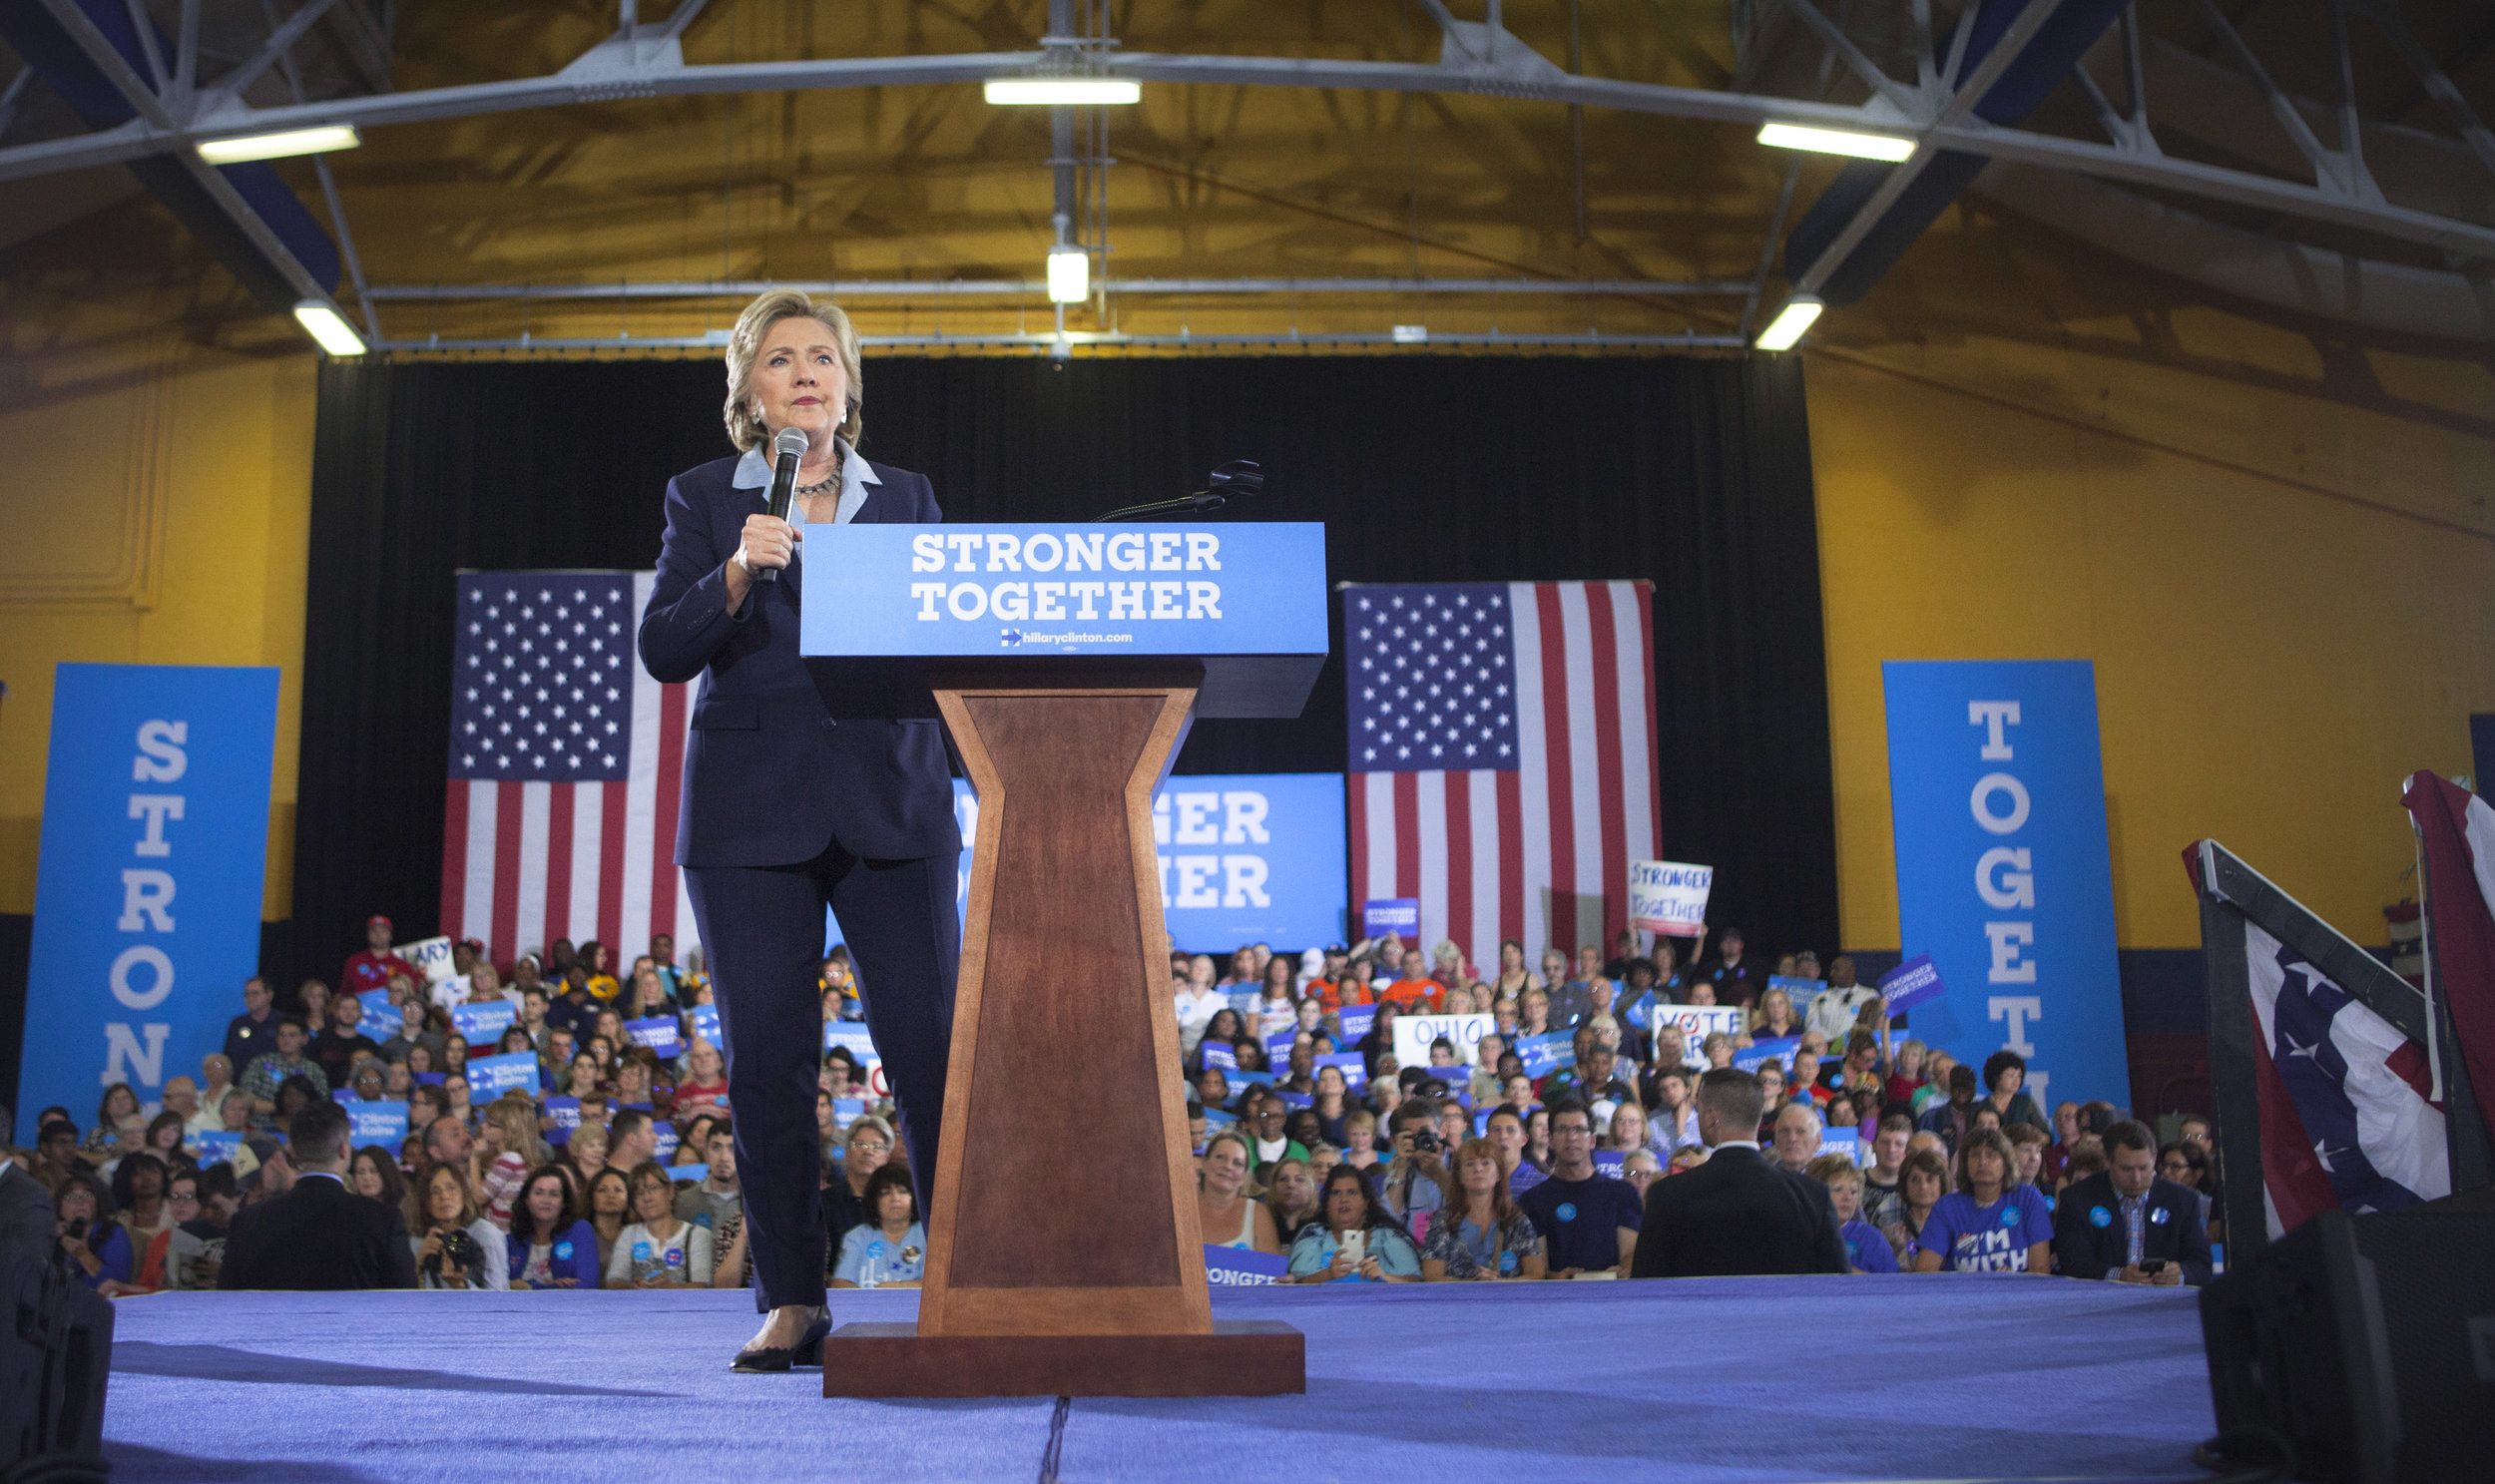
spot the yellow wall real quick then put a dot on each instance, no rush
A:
(154, 504)
(2287, 584)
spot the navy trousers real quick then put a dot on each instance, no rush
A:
(762, 935)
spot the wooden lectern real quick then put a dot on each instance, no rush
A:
(1064, 1251)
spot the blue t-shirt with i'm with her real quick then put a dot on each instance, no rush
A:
(1993, 1238)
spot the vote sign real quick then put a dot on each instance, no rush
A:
(1695, 1023)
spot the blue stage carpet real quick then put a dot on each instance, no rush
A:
(1938, 1377)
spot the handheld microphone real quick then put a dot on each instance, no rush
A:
(790, 447)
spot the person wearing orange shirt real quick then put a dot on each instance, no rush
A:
(1415, 991)
(1351, 989)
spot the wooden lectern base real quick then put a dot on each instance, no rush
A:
(1249, 1358)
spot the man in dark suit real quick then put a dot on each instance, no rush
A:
(1738, 1214)
(2127, 1224)
(319, 1235)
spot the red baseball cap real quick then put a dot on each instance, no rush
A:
(376, 920)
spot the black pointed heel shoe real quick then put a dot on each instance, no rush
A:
(768, 1359)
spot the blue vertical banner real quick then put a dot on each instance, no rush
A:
(2004, 875)
(147, 896)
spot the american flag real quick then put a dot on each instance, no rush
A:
(566, 763)
(1502, 756)
(2346, 1117)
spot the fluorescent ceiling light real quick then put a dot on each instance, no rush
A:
(317, 140)
(1797, 316)
(328, 328)
(1067, 90)
(1069, 275)
(1835, 142)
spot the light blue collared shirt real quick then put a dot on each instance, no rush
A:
(754, 472)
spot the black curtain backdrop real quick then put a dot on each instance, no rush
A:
(1694, 473)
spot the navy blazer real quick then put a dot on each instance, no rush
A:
(788, 754)
(2086, 1244)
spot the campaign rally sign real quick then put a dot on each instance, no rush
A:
(217, 1147)
(1413, 1033)
(1242, 1268)
(385, 1123)
(1669, 896)
(566, 1112)
(847, 1110)
(1400, 915)
(489, 1077)
(1757, 1054)
(1912, 983)
(1799, 991)
(1243, 1000)
(481, 1023)
(1277, 1047)
(660, 1033)
(1546, 1054)
(1215, 1118)
(1846, 1142)
(690, 1175)
(1244, 858)
(1297, 1101)
(148, 885)
(1355, 1075)
(1217, 1055)
(2004, 873)
(381, 1019)
(1252, 588)
(854, 1035)
(429, 954)
(1697, 1023)
(669, 1138)
(1245, 1079)
(1356, 1021)
(1611, 1162)
(706, 1025)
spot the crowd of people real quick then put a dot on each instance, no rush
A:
(1318, 1143)
(612, 1165)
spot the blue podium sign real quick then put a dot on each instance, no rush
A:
(1210, 591)
(147, 896)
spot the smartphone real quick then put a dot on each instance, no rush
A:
(2154, 1267)
(1356, 1245)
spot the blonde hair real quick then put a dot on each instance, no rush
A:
(745, 428)
(516, 1116)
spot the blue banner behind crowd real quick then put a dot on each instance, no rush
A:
(1245, 859)
(147, 898)
(2003, 871)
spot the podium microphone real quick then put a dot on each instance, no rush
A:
(791, 446)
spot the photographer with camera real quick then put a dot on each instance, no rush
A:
(1414, 1183)
(460, 1249)
(318, 1234)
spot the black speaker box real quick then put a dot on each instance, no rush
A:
(2367, 1342)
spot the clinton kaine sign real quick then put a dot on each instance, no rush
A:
(1060, 590)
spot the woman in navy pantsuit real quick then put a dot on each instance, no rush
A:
(806, 782)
